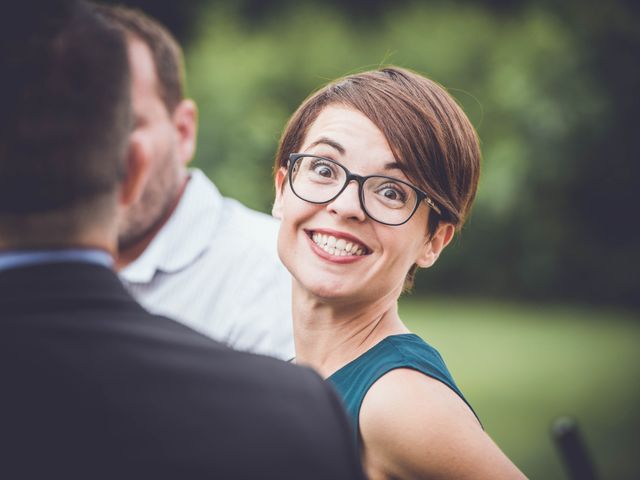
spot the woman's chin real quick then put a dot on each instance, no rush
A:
(327, 290)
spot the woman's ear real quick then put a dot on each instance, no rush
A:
(276, 211)
(433, 246)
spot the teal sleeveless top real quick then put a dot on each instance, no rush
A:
(396, 351)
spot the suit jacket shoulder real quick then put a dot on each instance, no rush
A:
(96, 387)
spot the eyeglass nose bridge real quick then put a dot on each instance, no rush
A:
(359, 179)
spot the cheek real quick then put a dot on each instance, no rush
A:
(291, 216)
(403, 245)
(282, 247)
(294, 210)
(159, 144)
(167, 140)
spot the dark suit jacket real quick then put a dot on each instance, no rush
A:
(93, 386)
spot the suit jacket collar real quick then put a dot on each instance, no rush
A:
(44, 286)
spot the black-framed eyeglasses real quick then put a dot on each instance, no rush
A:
(386, 200)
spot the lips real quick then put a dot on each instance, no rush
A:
(338, 245)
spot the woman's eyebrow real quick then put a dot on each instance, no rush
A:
(393, 166)
(341, 150)
(331, 143)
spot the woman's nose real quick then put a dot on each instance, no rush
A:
(347, 204)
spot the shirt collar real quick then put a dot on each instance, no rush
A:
(25, 258)
(174, 248)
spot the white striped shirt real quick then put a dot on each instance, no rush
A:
(214, 267)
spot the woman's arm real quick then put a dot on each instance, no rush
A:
(414, 426)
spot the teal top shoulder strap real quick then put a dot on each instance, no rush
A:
(396, 351)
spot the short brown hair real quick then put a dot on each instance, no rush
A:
(165, 50)
(429, 134)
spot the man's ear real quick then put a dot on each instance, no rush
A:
(136, 170)
(432, 248)
(276, 211)
(185, 121)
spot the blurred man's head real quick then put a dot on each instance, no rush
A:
(65, 124)
(162, 114)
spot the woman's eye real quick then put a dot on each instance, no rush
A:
(392, 193)
(322, 170)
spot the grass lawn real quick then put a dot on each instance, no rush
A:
(521, 366)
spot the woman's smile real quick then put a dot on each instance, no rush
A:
(335, 246)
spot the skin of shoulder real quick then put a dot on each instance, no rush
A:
(415, 427)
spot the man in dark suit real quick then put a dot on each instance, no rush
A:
(93, 386)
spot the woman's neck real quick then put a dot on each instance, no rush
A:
(328, 335)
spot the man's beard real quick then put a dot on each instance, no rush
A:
(153, 207)
(137, 224)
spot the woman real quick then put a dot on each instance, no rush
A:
(374, 173)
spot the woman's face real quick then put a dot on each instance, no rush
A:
(380, 255)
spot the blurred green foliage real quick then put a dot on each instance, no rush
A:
(522, 365)
(550, 86)
(554, 215)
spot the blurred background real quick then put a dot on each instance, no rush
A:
(536, 305)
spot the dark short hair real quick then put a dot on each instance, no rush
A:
(165, 50)
(429, 134)
(66, 112)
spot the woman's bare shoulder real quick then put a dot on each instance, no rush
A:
(414, 426)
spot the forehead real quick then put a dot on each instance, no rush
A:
(350, 129)
(143, 71)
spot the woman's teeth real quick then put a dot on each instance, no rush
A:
(337, 246)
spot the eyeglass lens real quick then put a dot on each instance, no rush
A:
(320, 180)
